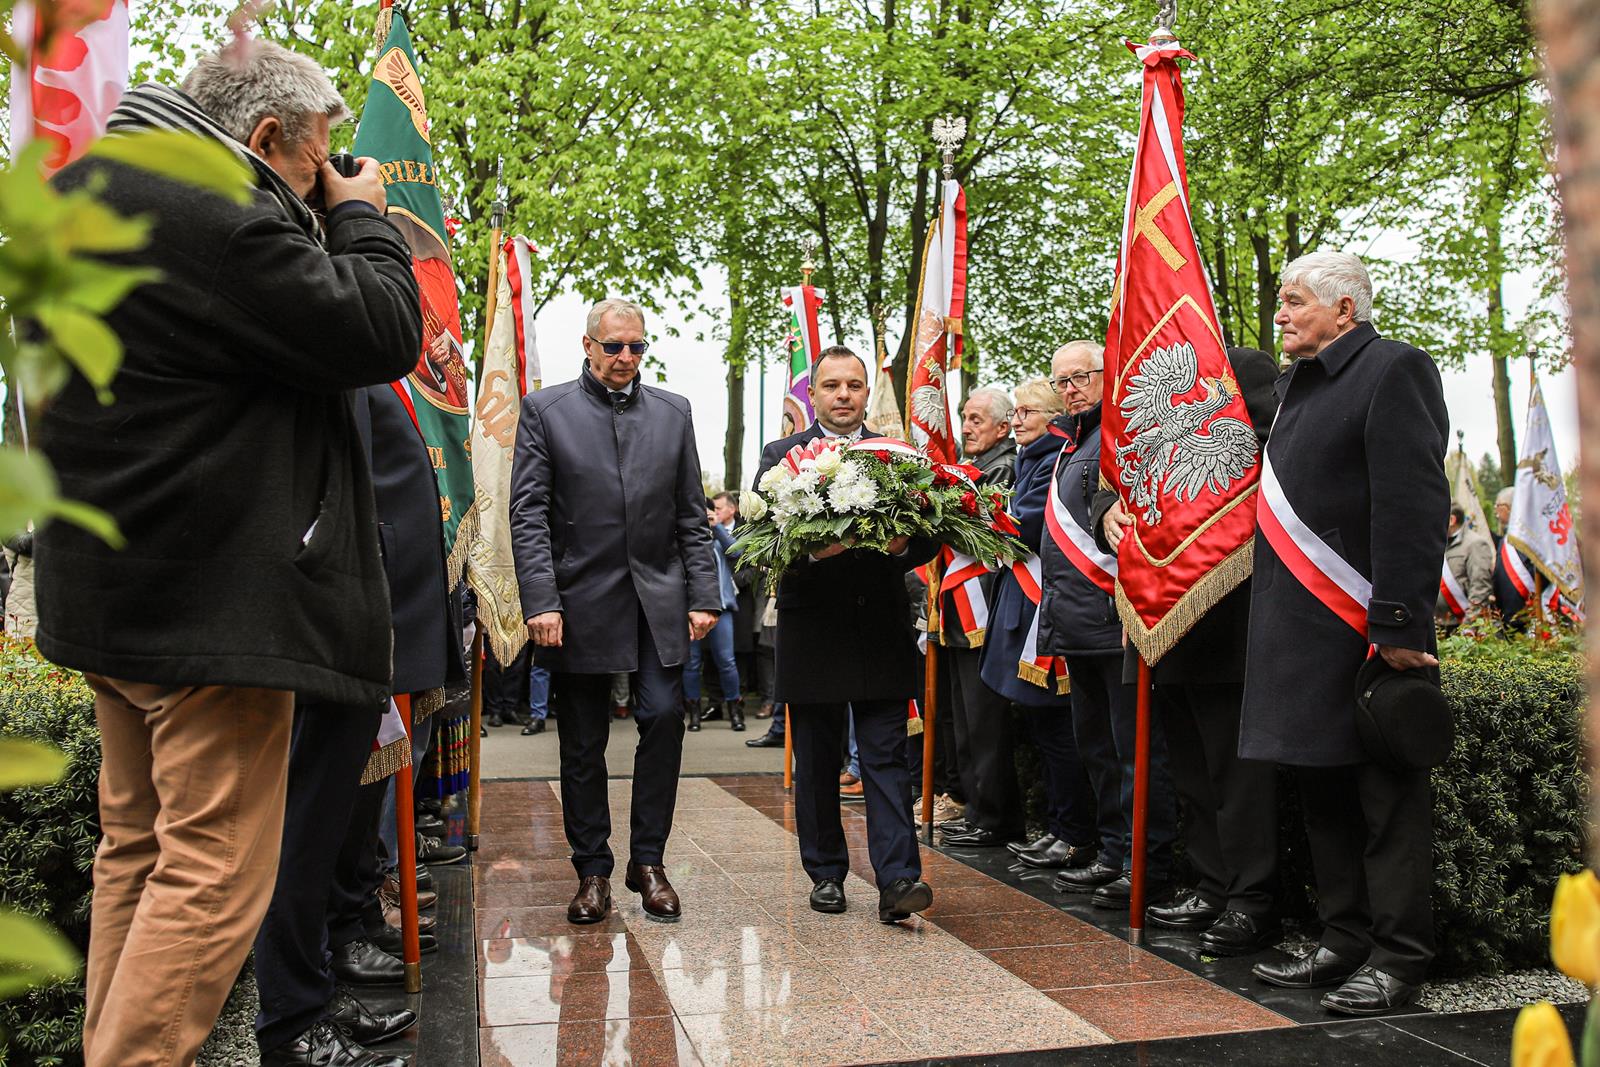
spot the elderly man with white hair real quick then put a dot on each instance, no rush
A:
(1348, 552)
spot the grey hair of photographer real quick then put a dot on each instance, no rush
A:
(240, 87)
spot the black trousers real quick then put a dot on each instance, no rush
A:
(354, 912)
(329, 749)
(583, 721)
(1230, 804)
(1371, 834)
(984, 746)
(1105, 724)
(505, 688)
(819, 731)
(1070, 804)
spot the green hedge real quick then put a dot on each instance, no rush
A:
(47, 842)
(1510, 804)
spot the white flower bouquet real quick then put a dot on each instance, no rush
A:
(865, 495)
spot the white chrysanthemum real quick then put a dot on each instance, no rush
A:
(829, 462)
(806, 481)
(811, 504)
(854, 495)
(753, 506)
(774, 478)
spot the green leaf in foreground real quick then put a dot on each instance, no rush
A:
(26, 763)
(185, 157)
(28, 493)
(31, 953)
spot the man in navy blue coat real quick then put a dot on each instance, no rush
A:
(845, 647)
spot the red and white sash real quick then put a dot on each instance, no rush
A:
(1076, 543)
(1516, 570)
(1033, 667)
(1455, 598)
(1341, 588)
(963, 581)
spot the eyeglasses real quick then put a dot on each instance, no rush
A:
(1021, 414)
(614, 348)
(1077, 381)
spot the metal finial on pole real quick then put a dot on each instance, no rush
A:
(808, 249)
(1166, 19)
(948, 133)
(497, 210)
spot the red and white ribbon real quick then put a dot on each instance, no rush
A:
(1516, 570)
(963, 581)
(1076, 543)
(1455, 598)
(1341, 588)
(1031, 666)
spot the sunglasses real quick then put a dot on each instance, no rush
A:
(613, 348)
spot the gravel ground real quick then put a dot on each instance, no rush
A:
(233, 1040)
(1510, 990)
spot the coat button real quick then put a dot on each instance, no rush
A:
(1400, 614)
(861, 601)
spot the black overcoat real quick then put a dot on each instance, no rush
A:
(426, 611)
(1358, 447)
(997, 467)
(608, 515)
(1077, 617)
(844, 623)
(229, 457)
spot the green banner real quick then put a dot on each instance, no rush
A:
(394, 131)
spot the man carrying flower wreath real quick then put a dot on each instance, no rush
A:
(845, 646)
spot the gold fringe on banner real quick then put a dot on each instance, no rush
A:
(1034, 674)
(390, 759)
(426, 703)
(381, 29)
(914, 727)
(1156, 641)
(466, 534)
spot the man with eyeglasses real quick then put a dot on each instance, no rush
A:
(615, 567)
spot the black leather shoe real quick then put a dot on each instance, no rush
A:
(1321, 968)
(901, 898)
(362, 963)
(1238, 934)
(1059, 856)
(827, 896)
(1085, 879)
(435, 853)
(325, 1045)
(424, 879)
(363, 1025)
(736, 715)
(972, 837)
(1369, 992)
(691, 711)
(430, 825)
(494, 718)
(1186, 911)
(1118, 894)
(391, 941)
(1038, 844)
(766, 740)
(535, 726)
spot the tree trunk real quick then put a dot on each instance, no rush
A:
(1266, 287)
(737, 358)
(1571, 31)
(1499, 343)
(919, 237)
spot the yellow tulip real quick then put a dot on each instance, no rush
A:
(1575, 927)
(1539, 1039)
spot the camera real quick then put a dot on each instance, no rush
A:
(345, 164)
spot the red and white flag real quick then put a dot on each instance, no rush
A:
(936, 328)
(1541, 520)
(77, 72)
(1178, 445)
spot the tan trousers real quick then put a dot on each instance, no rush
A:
(191, 816)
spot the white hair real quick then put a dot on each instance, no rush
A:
(996, 400)
(612, 306)
(1332, 275)
(1096, 350)
(240, 86)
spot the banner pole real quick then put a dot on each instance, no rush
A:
(930, 707)
(788, 752)
(405, 817)
(1141, 806)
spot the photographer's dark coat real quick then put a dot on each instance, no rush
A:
(1358, 447)
(607, 516)
(229, 457)
(844, 623)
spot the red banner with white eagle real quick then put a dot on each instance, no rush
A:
(1179, 447)
(936, 328)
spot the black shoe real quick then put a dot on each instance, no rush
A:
(430, 825)
(1059, 856)
(390, 941)
(736, 715)
(362, 1024)
(483, 731)
(535, 726)
(363, 963)
(827, 896)
(691, 710)
(424, 879)
(954, 826)
(1238, 934)
(769, 739)
(1038, 844)
(1321, 968)
(972, 837)
(494, 718)
(1186, 911)
(1369, 992)
(325, 1045)
(433, 852)
(1085, 879)
(1115, 893)
(901, 898)
(713, 713)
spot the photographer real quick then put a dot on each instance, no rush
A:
(251, 572)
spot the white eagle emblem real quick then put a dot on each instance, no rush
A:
(928, 411)
(1171, 446)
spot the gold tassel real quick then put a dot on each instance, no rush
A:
(425, 704)
(914, 727)
(385, 21)
(390, 759)
(1034, 674)
(1218, 582)
(466, 534)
